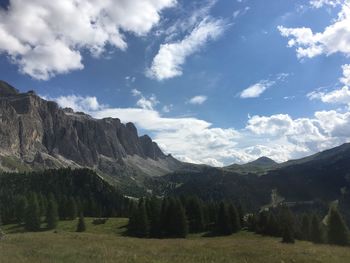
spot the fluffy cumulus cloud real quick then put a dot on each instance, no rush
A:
(170, 58)
(338, 96)
(45, 38)
(143, 102)
(334, 39)
(200, 99)
(78, 103)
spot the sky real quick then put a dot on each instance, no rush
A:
(211, 81)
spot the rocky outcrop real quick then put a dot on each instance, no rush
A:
(39, 132)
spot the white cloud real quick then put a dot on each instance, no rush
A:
(147, 103)
(255, 90)
(143, 102)
(334, 39)
(339, 96)
(171, 56)
(46, 38)
(190, 139)
(79, 103)
(346, 75)
(136, 92)
(259, 88)
(200, 99)
(321, 3)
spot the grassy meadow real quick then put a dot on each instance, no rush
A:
(106, 243)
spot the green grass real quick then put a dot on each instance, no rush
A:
(14, 164)
(105, 243)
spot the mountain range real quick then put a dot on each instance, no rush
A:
(37, 134)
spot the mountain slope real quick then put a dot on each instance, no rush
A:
(38, 134)
(259, 166)
(323, 177)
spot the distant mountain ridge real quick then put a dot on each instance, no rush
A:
(38, 134)
(258, 166)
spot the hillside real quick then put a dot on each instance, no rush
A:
(321, 177)
(259, 166)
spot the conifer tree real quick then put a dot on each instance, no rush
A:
(42, 204)
(154, 216)
(164, 217)
(194, 212)
(287, 225)
(241, 213)
(316, 234)
(142, 225)
(52, 213)
(234, 218)
(21, 207)
(252, 223)
(338, 232)
(223, 223)
(71, 209)
(177, 225)
(272, 228)
(306, 224)
(288, 235)
(32, 218)
(81, 227)
(262, 222)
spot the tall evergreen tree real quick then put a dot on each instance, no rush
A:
(32, 218)
(287, 225)
(252, 222)
(42, 204)
(177, 225)
(272, 228)
(81, 227)
(138, 221)
(241, 214)
(194, 213)
(52, 213)
(338, 232)
(234, 218)
(262, 222)
(306, 224)
(288, 234)
(223, 224)
(154, 216)
(71, 209)
(316, 234)
(21, 207)
(142, 220)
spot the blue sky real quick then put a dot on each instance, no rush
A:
(212, 82)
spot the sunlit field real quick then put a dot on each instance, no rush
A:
(106, 243)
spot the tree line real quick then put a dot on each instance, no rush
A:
(71, 191)
(281, 222)
(173, 217)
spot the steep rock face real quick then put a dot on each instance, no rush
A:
(34, 130)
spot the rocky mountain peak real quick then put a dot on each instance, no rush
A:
(7, 90)
(32, 127)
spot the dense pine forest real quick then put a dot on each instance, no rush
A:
(69, 191)
(177, 217)
(50, 196)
